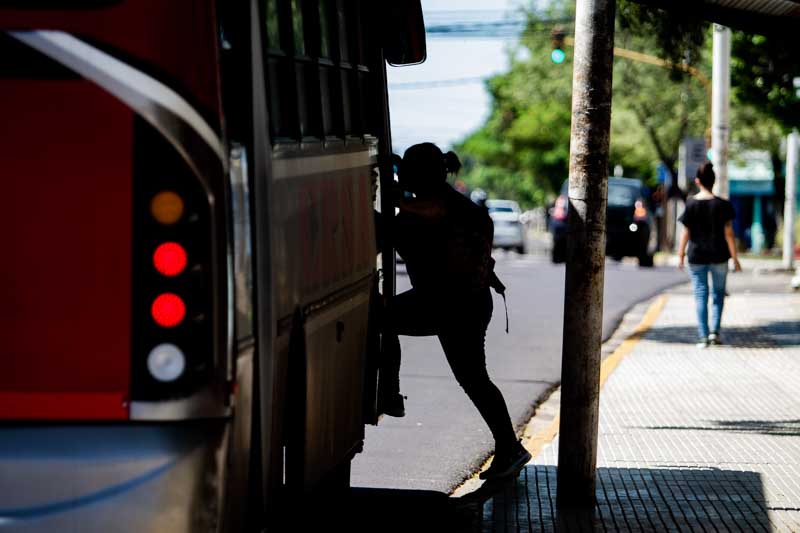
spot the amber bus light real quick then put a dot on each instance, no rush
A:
(167, 207)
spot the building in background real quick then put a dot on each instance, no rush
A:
(752, 189)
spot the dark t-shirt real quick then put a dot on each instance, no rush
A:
(706, 221)
(449, 254)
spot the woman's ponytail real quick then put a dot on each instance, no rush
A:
(451, 163)
(705, 173)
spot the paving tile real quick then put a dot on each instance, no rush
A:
(689, 439)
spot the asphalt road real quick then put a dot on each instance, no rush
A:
(442, 439)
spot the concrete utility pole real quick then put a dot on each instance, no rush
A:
(720, 107)
(583, 295)
(790, 204)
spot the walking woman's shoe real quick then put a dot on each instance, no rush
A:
(714, 340)
(506, 465)
(702, 343)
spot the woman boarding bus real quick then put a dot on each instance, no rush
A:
(184, 321)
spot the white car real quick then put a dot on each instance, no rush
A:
(509, 232)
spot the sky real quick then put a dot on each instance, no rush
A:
(446, 114)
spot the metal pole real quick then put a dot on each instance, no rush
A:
(757, 236)
(720, 107)
(588, 191)
(790, 204)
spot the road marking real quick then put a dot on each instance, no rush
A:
(535, 442)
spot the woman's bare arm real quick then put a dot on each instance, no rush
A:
(731, 241)
(682, 247)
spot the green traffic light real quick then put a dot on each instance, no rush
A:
(558, 56)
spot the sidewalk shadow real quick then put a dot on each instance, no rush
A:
(778, 428)
(770, 335)
(635, 499)
(368, 510)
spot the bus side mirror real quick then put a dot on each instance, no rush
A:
(404, 36)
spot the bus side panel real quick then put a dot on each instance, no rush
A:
(324, 259)
(336, 342)
(324, 232)
(65, 302)
(116, 477)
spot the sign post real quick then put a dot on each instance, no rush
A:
(691, 154)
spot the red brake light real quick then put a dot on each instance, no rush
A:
(170, 259)
(639, 212)
(560, 211)
(168, 310)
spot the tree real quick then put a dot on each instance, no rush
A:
(667, 107)
(522, 150)
(763, 70)
(678, 35)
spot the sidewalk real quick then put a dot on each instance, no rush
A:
(690, 439)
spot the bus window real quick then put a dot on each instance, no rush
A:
(341, 18)
(272, 25)
(325, 30)
(283, 109)
(310, 114)
(298, 34)
(356, 34)
(320, 90)
(329, 93)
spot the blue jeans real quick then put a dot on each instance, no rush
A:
(699, 275)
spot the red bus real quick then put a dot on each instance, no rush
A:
(190, 254)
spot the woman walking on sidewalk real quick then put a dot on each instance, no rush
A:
(708, 230)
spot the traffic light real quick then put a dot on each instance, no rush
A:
(558, 55)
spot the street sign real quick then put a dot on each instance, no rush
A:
(692, 154)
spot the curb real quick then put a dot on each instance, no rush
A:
(543, 426)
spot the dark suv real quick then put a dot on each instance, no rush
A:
(630, 225)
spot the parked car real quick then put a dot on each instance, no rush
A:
(509, 232)
(630, 224)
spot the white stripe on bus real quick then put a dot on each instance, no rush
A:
(137, 89)
(292, 167)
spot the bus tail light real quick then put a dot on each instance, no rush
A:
(167, 207)
(174, 352)
(166, 362)
(170, 259)
(168, 310)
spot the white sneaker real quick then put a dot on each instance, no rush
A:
(702, 343)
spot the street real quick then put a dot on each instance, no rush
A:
(442, 439)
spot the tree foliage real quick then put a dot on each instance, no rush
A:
(522, 150)
(763, 70)
(677, 35)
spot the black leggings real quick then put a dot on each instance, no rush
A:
(461, 326)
